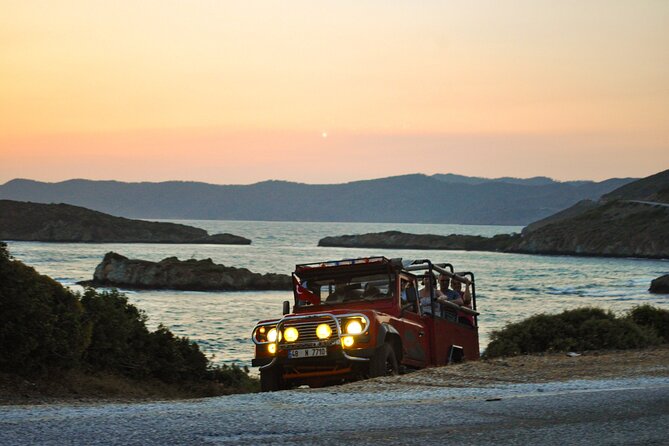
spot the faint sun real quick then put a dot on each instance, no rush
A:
(324, 135)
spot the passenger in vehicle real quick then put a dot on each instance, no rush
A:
(465, 295)
(371, 291)
(429, 292)
(408, 296)
(451, 294)
(341, 290)
(466, 299)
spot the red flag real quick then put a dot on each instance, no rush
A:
(304, 294)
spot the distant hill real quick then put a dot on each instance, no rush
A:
(631, 221)
(652, 188)
(407, 198)
(65, 223)
(534, 181)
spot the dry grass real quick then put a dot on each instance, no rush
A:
(77, 387)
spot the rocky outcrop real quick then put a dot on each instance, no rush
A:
(660, 285)
(174, 274)
(222, 239)
(614, 229)
(617, 229)
(401, 240)
(22, 221)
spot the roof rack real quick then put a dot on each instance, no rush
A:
(344, 262)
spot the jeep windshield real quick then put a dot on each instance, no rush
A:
(324, 290)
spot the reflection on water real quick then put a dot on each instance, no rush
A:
(509, 286)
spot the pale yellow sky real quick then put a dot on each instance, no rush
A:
(236, 92)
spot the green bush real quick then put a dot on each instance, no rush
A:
(173, 358)
(234, 377)
(41, 323)
(577, 330)
(119, 334)
(653, 318)
(45, 327)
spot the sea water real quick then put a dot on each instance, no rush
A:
(510, 287)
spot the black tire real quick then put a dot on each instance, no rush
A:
(384, 362)
(271, 379)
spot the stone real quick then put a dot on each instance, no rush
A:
(660, 285)
(116, 270)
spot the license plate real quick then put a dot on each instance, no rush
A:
(307, 353)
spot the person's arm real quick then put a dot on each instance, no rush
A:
(467, 296)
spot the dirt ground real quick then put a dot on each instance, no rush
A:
(81, 389)
(528, 369)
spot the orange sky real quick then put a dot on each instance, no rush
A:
(237, 92)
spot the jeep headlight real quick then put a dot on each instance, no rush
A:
(323, 331)
(353, 327)
(271, 335)
(291, 334)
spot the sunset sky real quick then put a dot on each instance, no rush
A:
(323, 92)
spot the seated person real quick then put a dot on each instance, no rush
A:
(466, 297)
(343, 291)
(429, 292)
(450, 294)
(408, 291)
(371, 291)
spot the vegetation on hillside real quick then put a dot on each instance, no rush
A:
(582, 329)
(46, 328)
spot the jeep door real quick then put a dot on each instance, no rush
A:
(414, 332)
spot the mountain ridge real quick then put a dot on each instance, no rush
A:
(624, 223)
(412, 198)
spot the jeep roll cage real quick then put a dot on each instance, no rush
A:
(345, 270)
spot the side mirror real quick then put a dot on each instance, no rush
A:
(286, 307)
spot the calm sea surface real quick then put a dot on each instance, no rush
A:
(509, 286)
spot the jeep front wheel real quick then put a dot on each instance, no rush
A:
(384, 362)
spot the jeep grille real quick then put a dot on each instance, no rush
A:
(307, 331)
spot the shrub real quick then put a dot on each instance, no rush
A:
(119, 337)
(173, 358)
(653, 318)
(234, 377)
(579, 329)
(46, 327)
(41, 323)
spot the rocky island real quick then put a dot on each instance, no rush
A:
(631, 221)
(23, 221)
(171, 273)
(660, 285)
(401, 240)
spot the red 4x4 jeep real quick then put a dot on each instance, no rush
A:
(362, 318)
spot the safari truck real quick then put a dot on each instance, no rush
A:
(365, 317)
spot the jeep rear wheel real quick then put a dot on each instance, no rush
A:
(271, 380)
(384, 362)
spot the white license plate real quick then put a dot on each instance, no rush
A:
(307, 352)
